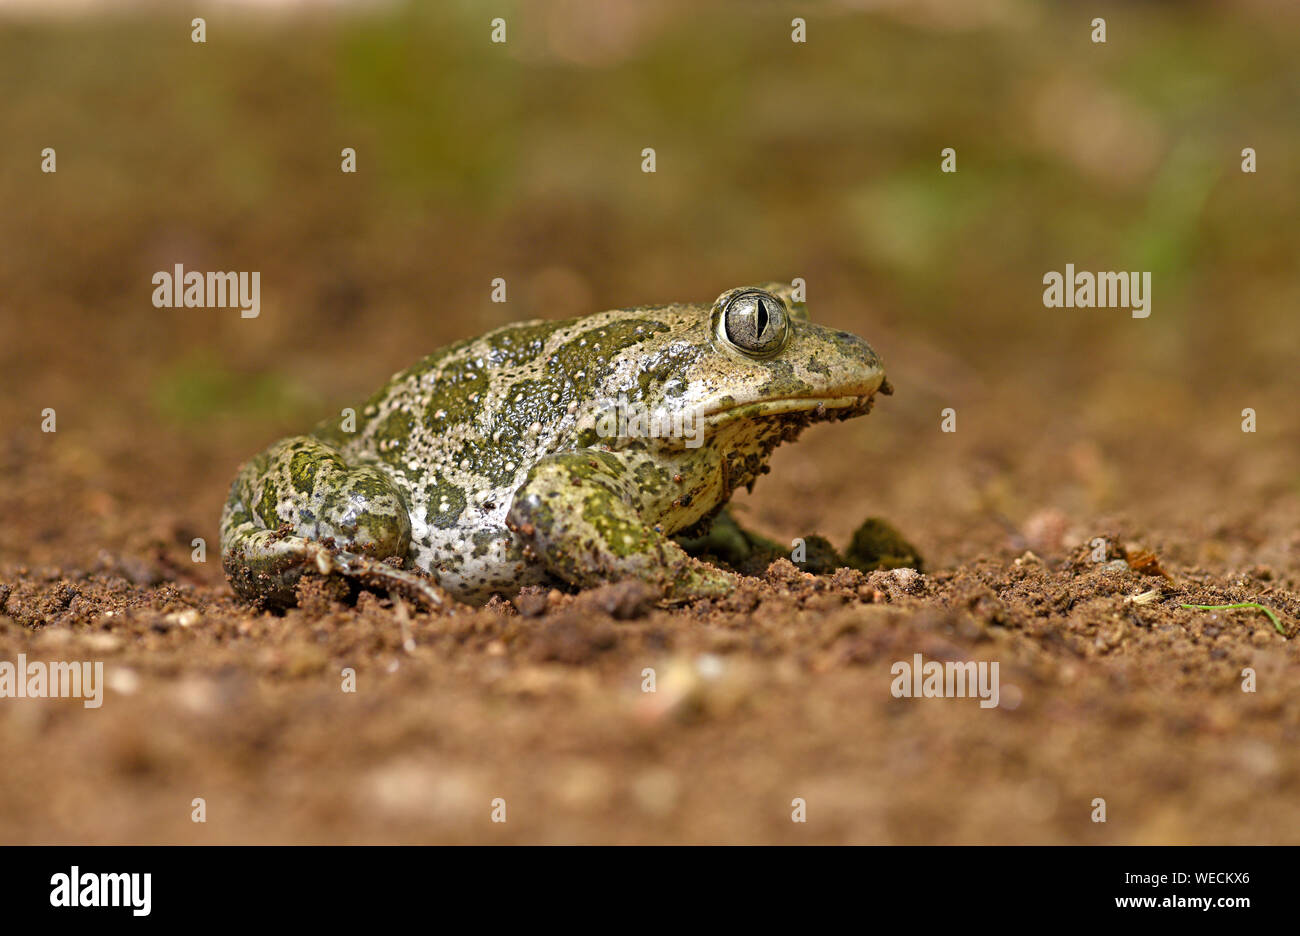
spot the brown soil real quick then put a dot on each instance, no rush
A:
(780, 691)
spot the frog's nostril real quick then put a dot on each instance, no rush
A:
(853, 344)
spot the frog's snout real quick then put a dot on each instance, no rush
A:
(860, 362)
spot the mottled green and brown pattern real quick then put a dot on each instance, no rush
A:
(485, 464)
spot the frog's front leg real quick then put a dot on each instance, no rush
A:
(299, 507)
(577, 512)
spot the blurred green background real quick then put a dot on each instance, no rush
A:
(774, 160)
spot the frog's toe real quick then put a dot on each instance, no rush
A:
(694, 579)
(376, 574)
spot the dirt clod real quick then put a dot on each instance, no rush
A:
(877, 545)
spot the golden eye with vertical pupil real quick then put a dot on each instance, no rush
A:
(755, 322)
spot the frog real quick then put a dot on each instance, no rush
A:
(566, 453)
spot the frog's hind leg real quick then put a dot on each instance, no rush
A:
(299, 508)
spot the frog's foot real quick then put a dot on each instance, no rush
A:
(728, 541)
(299, 508)
(751, 553)
(377, 574)
(575, 512)
(268, 565)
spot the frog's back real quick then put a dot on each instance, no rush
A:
(478, 405)
(459, 430)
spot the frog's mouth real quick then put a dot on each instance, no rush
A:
(805, 408)
(785, 406)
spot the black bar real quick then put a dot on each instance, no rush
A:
(330, 886)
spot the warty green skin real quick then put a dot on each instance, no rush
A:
(485, 465)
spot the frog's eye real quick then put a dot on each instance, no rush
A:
(756, 322)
